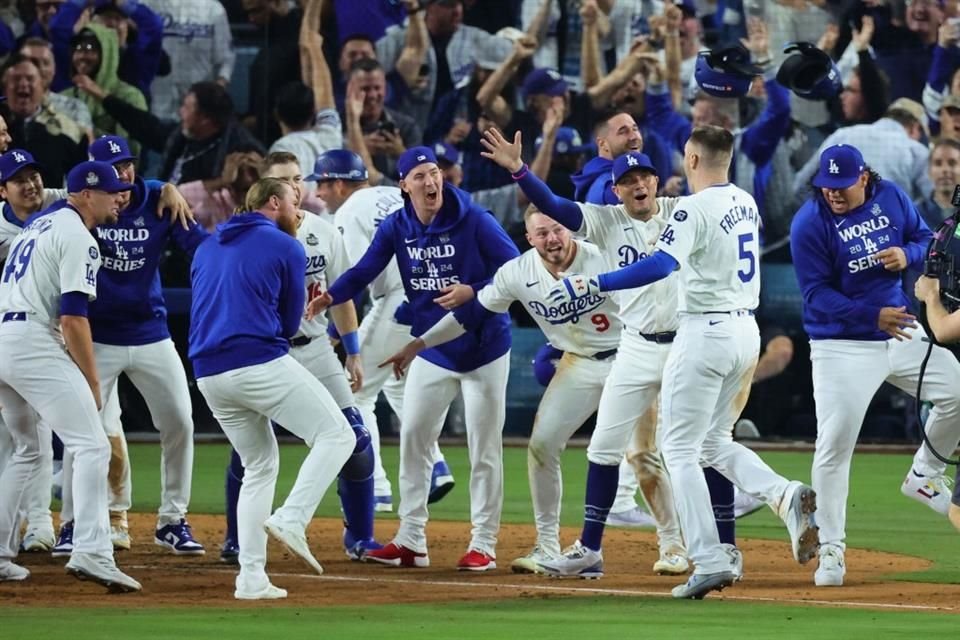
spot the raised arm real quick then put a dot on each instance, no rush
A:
(415, 46)
(313, 64)
(488, 97)
(590, 68)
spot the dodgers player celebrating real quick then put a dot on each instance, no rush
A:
(851, 243)
(624, 234)
(248, 301)
(326, 260)
(442, 241)
(49, 278)
(712, 237)
(359, 209)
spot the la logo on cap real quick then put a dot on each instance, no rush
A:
(421, 158)
(833, 168)
(631, 161)
(92, 179)
(114, 148)
(19, 157)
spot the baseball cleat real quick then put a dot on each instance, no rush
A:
(832, 568)
(576, 561)
(736, 560)
(397, 555)
(474, 560)
(178, 537)
(39, 539)
(64, 546)
(441, 482)
(10, 572)
(356, 549)
(797, 507)
(933, 491)
(295, 541)
(529, 562)
(103, 571)
(635, 518)
(269, 592)
(230, 552)
(700, 584)
(120, 538)
(671, 564)
(383, 504)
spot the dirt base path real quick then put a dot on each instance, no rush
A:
(168, 580)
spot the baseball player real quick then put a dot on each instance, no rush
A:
(359, 209)
(47, 366)
(326, 260)
(130, 335)
(624, 234)
(851, 243)
(441, 241)
(712, 238)
(248, 302)
(588, 334)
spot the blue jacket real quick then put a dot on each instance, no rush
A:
(248, 295)
(463, 244)
(594, 183)
(843, 286)
(130, 309)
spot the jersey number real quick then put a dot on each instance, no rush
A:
(600, 321)
(747, 254)
(18, 260)
(314, 290)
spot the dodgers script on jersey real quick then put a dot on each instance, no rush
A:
(358, 218)
(714, 235)
(11, 225)
(53, 255)
(584, 327)
(326, 260)
(623, 241)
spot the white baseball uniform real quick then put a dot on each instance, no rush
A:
(588, 332)
(54, 255)
(380, 334)
(713, 235)
(649, 317)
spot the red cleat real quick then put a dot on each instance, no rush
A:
(476, 561)
(396, 555)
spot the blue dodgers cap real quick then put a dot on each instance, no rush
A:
(547, 82)
(568, 141)
(15, 161)
(840, 167)
(414, 157)
(447, 153)
(631, 161)
(112, 149)
(97, 176)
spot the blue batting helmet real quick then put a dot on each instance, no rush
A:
(727, 72)
(809, 72)
(339, 164)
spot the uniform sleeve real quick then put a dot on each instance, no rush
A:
(679, 238)
(596, 222)
(355, 237)
(499, 295)
(293, 296)
(339, 261)
(374, 260)
(79, 264)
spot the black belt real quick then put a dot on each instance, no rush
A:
(604, 355)
(302, 341)
(664, 337)
(735, 312)
(14, 316)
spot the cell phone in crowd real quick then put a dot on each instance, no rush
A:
(386, 126)
(424, 70)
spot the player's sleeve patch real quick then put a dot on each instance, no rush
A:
(679, 215)
(94, 254)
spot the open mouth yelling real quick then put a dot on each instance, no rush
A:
(432, 195)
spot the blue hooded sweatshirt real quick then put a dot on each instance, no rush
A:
(463, 244)
(248, 295)
(844, 285)
(594, 183)
(130, 309)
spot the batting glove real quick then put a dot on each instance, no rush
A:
(573, 288)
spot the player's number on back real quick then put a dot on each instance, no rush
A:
(746, 253)
(18, 260)
(314, 290)
(600, 321)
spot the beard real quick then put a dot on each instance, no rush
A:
(289, 225)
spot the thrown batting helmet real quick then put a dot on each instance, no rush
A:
(339, 164)
(809, 72)
(727, 72)
(545, 363)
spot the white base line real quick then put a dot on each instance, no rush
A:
(584, 590)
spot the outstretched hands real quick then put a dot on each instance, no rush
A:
(504, 153)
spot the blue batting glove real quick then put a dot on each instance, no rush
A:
(573, 288)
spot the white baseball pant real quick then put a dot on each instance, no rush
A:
(244, 401)
(428, 394)
(38, 377)
(712, 359)
(630, 391)
(36, 498)
(319, 358)
(381, 337)
(842, 406)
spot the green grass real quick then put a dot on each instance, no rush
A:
(878, 518)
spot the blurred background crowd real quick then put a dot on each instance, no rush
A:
(204, 89)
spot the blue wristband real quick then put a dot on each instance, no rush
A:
(351, 343)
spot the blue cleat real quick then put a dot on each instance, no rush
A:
(441, 483)
(178, 538)
(357, 549)
(230, 552)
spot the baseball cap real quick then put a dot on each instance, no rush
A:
(631, 161)
(85, 35)
(951, 102)
(840, 167)
(97, 176)
(914, 108)
(568, 141)
(547, 82)
(112, 149)
(447, 154)
(413, 158)
(15, 161)
(688, 8)
(106, 6)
